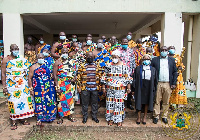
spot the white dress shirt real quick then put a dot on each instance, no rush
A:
(164, 70)
(146, 73)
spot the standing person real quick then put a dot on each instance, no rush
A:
(29, 51)
(41, 44)
(1, 55)
(14, 79)
(167, 76)
(39, 80)
(144, 85)
(64, 75)
(178, 95)
(128, 58)
(88, 79)
(57, 47)
(131, 43)
(139, 51)
(114, 45)
(116, 82)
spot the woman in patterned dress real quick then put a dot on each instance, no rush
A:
(116, 81)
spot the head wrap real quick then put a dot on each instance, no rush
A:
(1, 41)
(116, 52)
(45, 47)
(146, 55)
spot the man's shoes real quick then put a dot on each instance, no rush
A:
(155, 120)
(96, 120)
(130, 107)
(165, 120)
(84, 120)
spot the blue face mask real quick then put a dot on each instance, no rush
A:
(62, 37)
(163, 54)
(171, 51)
(74, 39)
(46, 54)
(15, 53)
(124, 46)
(65, 56)
(129, 37)
(104, 40)
(41, 61)
(89, 42)
(41, 42)
(1, 46)
(146, 62)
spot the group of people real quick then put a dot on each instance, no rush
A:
(49, 80)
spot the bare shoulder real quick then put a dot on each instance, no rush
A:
(5, 59)
(57, 62)
(55, 44)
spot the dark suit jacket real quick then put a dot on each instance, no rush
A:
(172, 68)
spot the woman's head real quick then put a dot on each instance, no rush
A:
(116, 56)
(146, 59)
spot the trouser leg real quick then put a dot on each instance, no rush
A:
(166, 96)
(94, 103)
(85, 96)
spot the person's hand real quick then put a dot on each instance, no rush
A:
(79, 90)
(173, 86)
(32, 93)
(5, 91)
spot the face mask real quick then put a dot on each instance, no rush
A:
(146, 62)
(62, 37)
(46, 54)
(1, 46)
(163, 54)
(115, 60)
(89, 42)
(74, 39)
(129, 37)
(65, 56)
(171, 51)
(124, 46)
(100, 45)
(29, 41)
(15, 53)
(41, 61)
(89, 60)
(41, 42)
(104, 40)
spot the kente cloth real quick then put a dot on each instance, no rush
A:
(139, 54)
(111, 49)
(65, 44)
(178, 95)
(66, 73)
(116, 78)
(19, 98)
(103, 58)
(106, 45)
(91, 48)
(30, 56)
(44, 95)
(49, 62)
(41, 47)
(128, 58)
(131, 44)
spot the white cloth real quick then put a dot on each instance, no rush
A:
(146, 73)
(164, 70)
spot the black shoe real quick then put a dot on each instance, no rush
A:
(96, 120)
(165, 120)
(144, 123)
(84, 120)
(155, 120)
(137, 123)
(130, 107)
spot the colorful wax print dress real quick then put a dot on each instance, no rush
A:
(65, 74)
(44, 95)
(19, 99)
(116, 78)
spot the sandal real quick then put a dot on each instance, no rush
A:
(72, 119)
(13, 126)
(39, 123)
(110, 123)
(119, 124)
(25, 122)
(60, 121)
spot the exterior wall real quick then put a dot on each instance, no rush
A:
(51, 6)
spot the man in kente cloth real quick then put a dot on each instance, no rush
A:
(41, 44)
(29, 51)
(15, 85)
(64, 76)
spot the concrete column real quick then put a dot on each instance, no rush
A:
(13, 32)
(171, 30)
(48, 38)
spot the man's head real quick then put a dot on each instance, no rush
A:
(113, 40)
(45, 52)
(146, 59)
(124, 43)
(103, 37)
(74, 38)
(100, 44)
(89, 35)
(14, 49)
(163, 51)
(30, 40)
(88, 40)
(64, 53)
(171, 50)
(129, 36)
(149, 50)
(41, 40)
(62, 36)
(76, 46)
(40, 58)
(89, 57)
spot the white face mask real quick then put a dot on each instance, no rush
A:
(100, 45)
(65, 56)
(115, 60)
